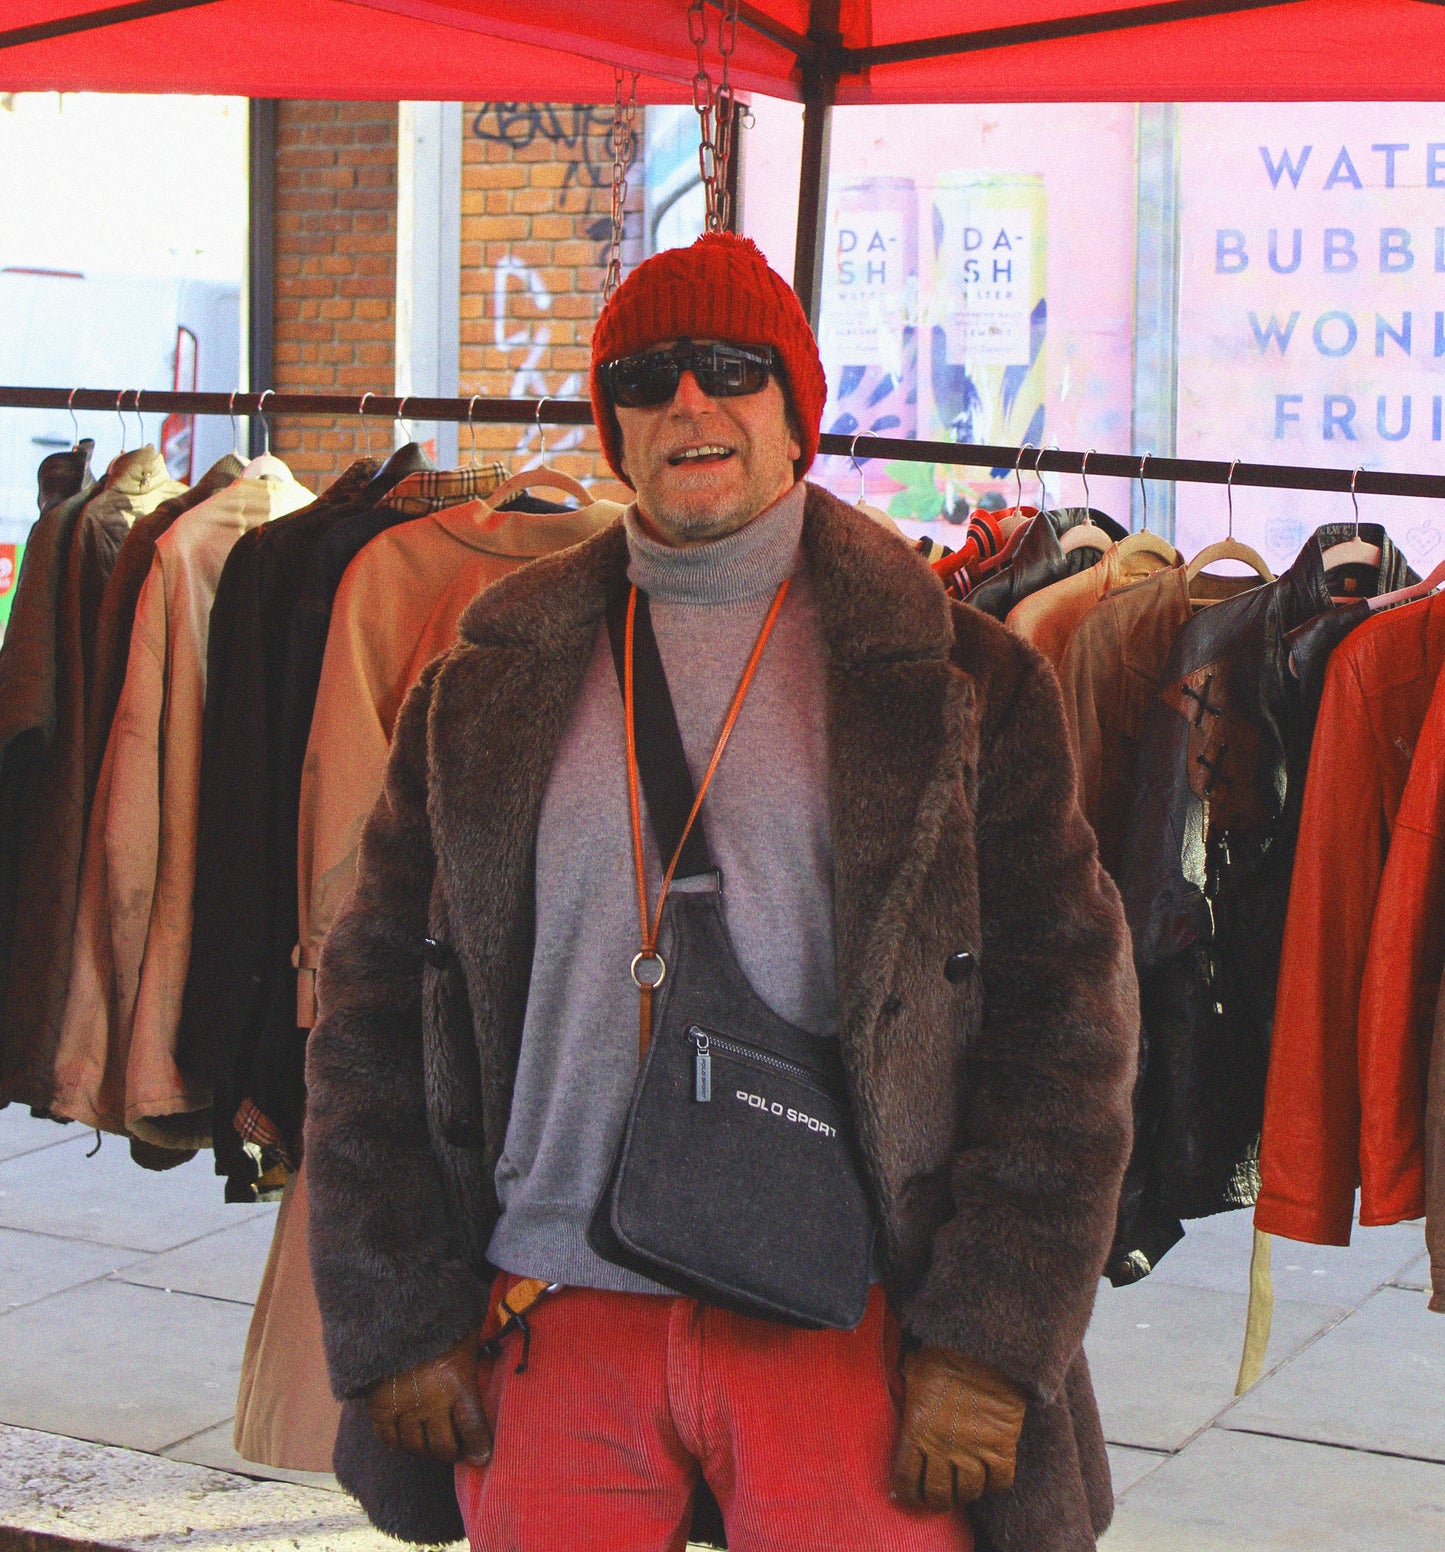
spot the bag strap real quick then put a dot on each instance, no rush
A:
(661, 759)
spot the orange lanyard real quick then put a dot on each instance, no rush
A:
(650, 928)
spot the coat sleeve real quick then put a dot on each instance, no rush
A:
(344, 768)
(392, 1280)
(1045, 1121)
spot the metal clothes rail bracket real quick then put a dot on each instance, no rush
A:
(578, 412)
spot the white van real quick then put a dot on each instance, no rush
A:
(63, 329)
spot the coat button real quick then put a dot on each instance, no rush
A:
(958, 966)
(436, 953)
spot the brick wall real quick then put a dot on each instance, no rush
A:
(335, 274)
(536, 229)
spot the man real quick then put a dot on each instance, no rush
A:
(906, 870)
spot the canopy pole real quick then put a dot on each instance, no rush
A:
(820, 70)
(261, 258)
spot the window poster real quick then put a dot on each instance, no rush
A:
(978, 285)
(1312, 311)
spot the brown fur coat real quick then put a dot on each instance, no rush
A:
(993, 1112)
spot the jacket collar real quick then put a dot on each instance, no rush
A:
(1303, 586)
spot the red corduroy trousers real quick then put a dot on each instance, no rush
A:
(625, 1397)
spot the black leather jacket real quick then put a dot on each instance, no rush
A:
(1040, 559)
(1205, 881)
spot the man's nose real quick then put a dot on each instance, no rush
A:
(689, 398)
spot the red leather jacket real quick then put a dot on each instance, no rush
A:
(1377, 690)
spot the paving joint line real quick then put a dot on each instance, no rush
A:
(1335, 1444)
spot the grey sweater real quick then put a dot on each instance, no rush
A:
(766, 822)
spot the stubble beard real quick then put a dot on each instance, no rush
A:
(703, 520)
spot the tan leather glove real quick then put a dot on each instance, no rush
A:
(435, 1408)
(960, 1430)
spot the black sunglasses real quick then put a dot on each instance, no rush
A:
(722, 372)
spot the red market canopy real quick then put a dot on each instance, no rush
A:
(879, 51)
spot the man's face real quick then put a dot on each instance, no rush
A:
(705, 467)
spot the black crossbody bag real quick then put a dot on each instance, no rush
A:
(737, 1179)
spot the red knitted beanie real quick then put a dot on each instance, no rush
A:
(720, 288)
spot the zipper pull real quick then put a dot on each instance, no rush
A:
(702, 1066)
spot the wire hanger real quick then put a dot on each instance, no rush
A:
(1228, 548)
(74, 423)
(863, 504)
(1143, 542)
(139, 418)
(124, 434)
(1088, 534)
(1353, 551)
(1018, 509)
(472, 432)
(404, 425)
(235, 429)
(1039, 475)
(365, 424)
(266, 465)
(542, 477)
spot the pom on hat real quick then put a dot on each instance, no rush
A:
(721, 288)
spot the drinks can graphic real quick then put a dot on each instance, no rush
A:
(987, 310)
(869, 324)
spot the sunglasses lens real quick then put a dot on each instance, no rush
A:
(638, 382)
(726, 371)
(722, 372)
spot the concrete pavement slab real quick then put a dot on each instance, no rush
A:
(118, 1498)
(121, 1365)
(21, 1132)
(1215, 1252)
(1376, 1381)
(213, 1448)
(1234, 1492)
(1416, 1275)
(33, 1266)
(224, 1265)
(1165, 1358)
(1128, 1466)
(109, 1201)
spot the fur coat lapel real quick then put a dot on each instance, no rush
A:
(898, 737)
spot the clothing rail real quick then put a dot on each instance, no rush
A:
(482, 411)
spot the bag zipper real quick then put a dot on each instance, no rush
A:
(704, 1041)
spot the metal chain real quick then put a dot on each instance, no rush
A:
(715, 109)
(624, 124)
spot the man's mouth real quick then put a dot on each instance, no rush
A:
(707, 452)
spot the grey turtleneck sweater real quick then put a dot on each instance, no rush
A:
(766, 822)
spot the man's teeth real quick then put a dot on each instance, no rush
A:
(711, 451)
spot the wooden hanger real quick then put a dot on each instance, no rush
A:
(1087, 535)
(1353, 551)
(1084, 536)
(1142, 541)
(543, 477)
(1228, 548)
